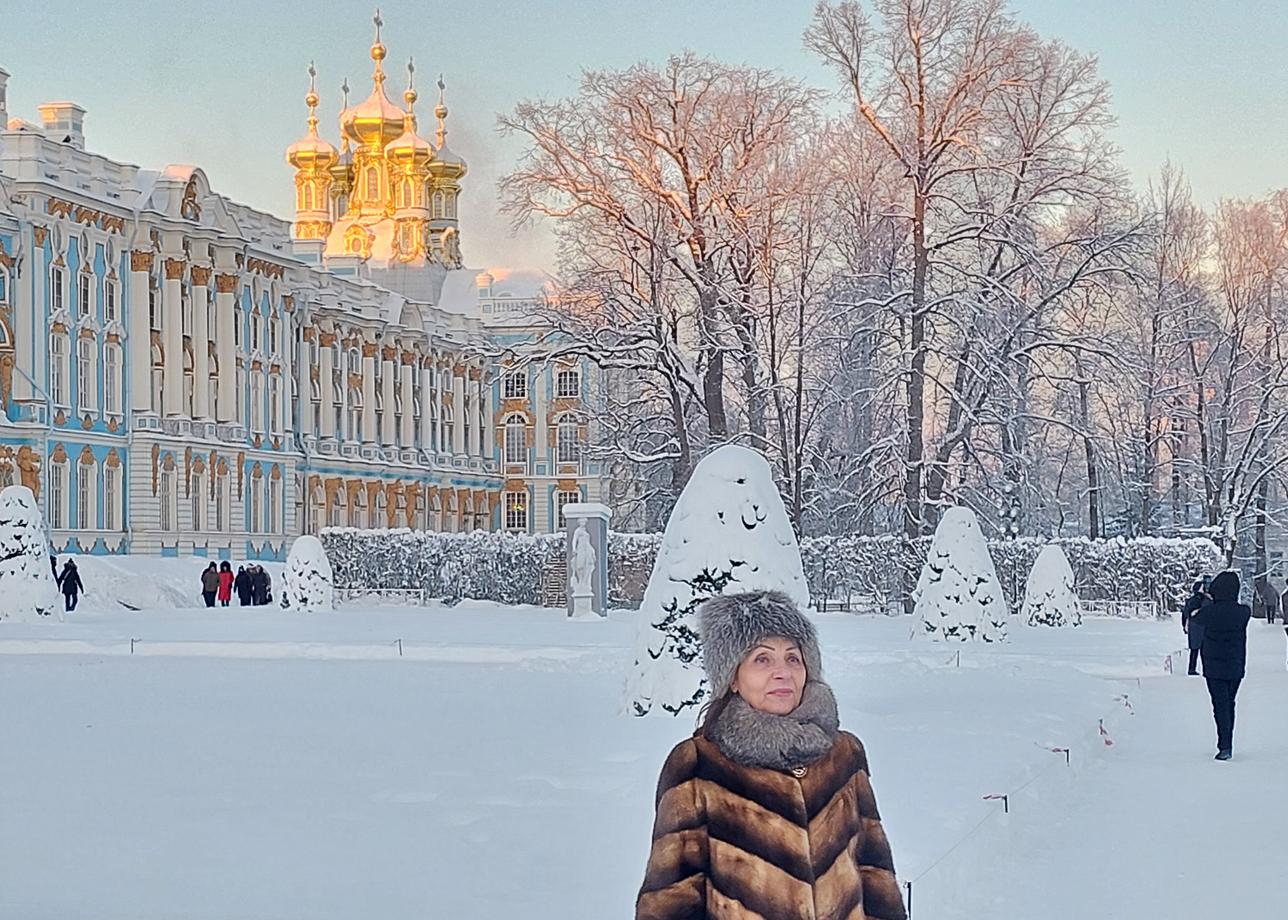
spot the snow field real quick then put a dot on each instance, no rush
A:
(497, 777)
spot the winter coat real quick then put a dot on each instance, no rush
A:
(733, 842)
(209, 581)
(225, 590)
(1194, 629)
(1225, 630)
(242, 585)
(70, 581)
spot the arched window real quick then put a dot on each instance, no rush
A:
(516, 439)
(275, 404)
(86, 378)
(58, 485)
(438, 209)
(57, 289)
(355, 361)
(158, 377)
(354, 432)
(112, 379)
(223, 502)
(360, 508)
(112, 495)
(567, 440)
(58, 376)
(405, 193)
(307, 201)
(445, 432)
(373, 184)
(167, 497)
(451, 205)
(339, 509)
(86, 493)
(337, 405)
(197, 496)
(189, 382)
(380, 518)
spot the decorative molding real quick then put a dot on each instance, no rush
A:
(59, 207)
(266, 268)
(40, 234)
(226, 283)
(141, 260)
(369, 349)
(201, 275)
(174, 269)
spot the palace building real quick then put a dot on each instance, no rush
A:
(184, 374)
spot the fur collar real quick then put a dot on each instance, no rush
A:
(761, 739)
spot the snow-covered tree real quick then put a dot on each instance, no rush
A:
(729, 532)
(958, 596)
(309, 582)
(27, 587)
(1049, 597)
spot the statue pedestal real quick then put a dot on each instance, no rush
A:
(591, 519)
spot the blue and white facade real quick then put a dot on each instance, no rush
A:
(180, 374)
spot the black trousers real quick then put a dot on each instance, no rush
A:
(1223, 693)
(1194, 661)
(208, 597)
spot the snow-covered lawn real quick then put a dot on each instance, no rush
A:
(249, 763)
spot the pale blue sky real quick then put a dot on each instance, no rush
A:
(221, 84)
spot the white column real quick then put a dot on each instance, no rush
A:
(458, 413)
(387, 383)
(407, 436)
(172, 336)
(201, 407)
(368, 394)
(140, 331)
(489, 423)
(427, 409)
(326, 380)
(477, 424)
(226, 388)
(303, 375)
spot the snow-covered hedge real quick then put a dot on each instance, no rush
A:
(511, 568)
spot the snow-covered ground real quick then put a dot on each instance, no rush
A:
(250, 763)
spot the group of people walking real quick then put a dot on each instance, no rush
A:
(1216, 626)
(252, 584)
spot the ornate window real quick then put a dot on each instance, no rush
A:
(405, 194)
(355, 415)
(86, 517)
(223, 502)
(447, 444)
(84, 305)
(111, 497)
(568, 384)
(254, 329)
(275, 404)
(562, 499)
(57, 289)
(86, 379)
(167, 498)
(272, 335)
(336, 518)
(58, 476)
(516, 385)
(516, 439)
(516, 510)
(110, 295)
(257, 402)
(112, 379)
(58, 371)
(198, 497)
(373, 184)
(306, 197)
(154, 305)
(274, 505)
(567, 440)
(438, 210)
(451, 206)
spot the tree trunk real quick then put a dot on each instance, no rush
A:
(1089, 448)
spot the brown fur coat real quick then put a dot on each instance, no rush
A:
(733, 842)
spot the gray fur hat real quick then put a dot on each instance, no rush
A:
(732, 624)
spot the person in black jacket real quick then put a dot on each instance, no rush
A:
(70, 582)
(1194, 631)
(242, 585)
(1225, 654)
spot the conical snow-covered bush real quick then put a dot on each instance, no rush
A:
(1049, 597)
(958, 596)
(27, 586)
(309, 583)
(728, 532)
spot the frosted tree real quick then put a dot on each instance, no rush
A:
(308, 578)
(958, 596)
(27, 587)
(730, 532)
(1049, 596)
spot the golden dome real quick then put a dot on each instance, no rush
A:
(409, 148)
(375, 121)
(311, 150)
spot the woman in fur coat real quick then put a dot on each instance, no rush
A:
(767, 810)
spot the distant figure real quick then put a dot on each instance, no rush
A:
(241, 584)
(260, 584)
(70, 582)
(53, 565)
(1225, 654)
(1194, 631)
(225, 593)
(209, 584)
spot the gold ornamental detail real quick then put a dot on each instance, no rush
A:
(225, 284)
(174, 269)
(201, 275)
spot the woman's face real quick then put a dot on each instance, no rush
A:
(772, 676)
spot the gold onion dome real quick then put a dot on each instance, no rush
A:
(409, 148)
(375, 121)
(446, 162)
(312, 150)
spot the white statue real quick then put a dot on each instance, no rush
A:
(583, 562)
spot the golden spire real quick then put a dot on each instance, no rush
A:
(311, 150)
(378, 50)
(440, 111)
(410, 96)
(311, 100)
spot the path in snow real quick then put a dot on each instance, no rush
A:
(1157, 828)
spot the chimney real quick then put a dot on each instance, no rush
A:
(64, 123)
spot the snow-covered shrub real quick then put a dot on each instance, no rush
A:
(308, 580)
(27, 586)
(728, 531)
(958, 596)
(1049, 597)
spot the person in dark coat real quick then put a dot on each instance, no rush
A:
(70, 582)
(53, 564)
(1225, 654)
(209, 584)
(1194, 631)
(241, 584)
